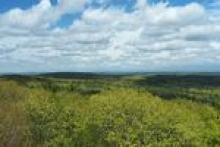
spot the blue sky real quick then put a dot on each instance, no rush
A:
(25, 4)
(66, 20)
(109, 35)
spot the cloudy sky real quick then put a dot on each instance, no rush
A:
(109, 35)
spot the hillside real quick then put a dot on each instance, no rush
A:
(78, 109)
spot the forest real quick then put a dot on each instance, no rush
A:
(104, 110)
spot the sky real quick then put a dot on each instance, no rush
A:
(109, 35)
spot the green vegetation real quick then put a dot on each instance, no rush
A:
(109, 111)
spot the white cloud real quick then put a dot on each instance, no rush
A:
(26, 18)
(141, 4)
(68, 6)
(41, 15)
(158, 37)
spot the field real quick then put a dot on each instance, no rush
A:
(100, 110)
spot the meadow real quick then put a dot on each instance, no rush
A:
(99, 110)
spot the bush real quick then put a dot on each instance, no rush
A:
(128, 118)
(104, 115)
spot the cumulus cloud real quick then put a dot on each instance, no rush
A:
(150, 37)
(40, 15)
(26, 18)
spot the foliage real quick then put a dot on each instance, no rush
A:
(203, 89)
(107, 112)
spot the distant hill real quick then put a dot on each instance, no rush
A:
(98, 75)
